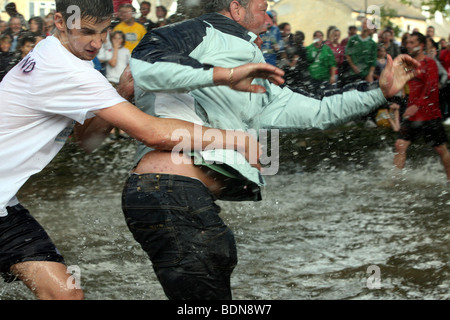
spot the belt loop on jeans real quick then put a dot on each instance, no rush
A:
(170, 183)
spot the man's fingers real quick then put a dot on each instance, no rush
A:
(276, 80)
(257, 89)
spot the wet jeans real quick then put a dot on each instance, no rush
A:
(176, 221)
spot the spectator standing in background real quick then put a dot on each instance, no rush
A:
(36, 25)
(361, 55)
(388, 42)
(15, 31)
(119, 58)
(352, 30)
(298, 74)
(338, 50)
(133, 30)
(161, 16)
(11, 10)
(272, 42)
(26, 44)
(3, 26)
(381, 61)
(145, 9)
(431, 33)
(5, 55)
(322, 64)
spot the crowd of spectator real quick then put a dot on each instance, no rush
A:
(329, 62)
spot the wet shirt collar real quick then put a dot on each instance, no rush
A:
(228, 26)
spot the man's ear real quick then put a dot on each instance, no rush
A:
(236, 12)
(60, 24)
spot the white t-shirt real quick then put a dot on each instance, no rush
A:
(123, 59)
(41, 98)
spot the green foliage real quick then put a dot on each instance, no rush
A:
(434, 5)
(386, 14)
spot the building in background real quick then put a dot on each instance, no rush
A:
(311, 15)
(305, 15)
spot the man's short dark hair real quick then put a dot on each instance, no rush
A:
(420, 37)
(99, 10)
(164, 9)
(127, 5)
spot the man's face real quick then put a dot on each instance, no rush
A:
(15, 25)
(318, 38)
(145, 10)
(387, 36)
(413, 46)
(160, 13)
(126, 14)
(85, 42)
(255, 16)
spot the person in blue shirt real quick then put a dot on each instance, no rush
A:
(272, 42)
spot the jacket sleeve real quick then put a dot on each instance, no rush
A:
(162, 61)
(290, 110)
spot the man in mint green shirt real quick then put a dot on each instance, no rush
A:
(322, 63)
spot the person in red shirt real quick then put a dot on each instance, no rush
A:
(423, 115)
(118, 3)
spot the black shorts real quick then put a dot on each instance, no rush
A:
(432, 131)
(22, 239)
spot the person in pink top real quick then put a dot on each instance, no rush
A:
(336, 47)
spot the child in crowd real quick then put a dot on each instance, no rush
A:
(5, 55)
(120, 57)
(381, 61)
(26, 44)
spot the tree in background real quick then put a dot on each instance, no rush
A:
(434, 5)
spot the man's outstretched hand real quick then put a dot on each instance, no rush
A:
(397, 73)
(241, 78)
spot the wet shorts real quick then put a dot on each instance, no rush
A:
(432, 131)
(22, 239)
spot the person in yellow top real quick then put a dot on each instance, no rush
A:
(133, 30)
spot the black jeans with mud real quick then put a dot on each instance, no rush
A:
(176, 221)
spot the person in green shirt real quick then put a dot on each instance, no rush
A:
(361, 54)
(322, 63)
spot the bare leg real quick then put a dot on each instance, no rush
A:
(445, 158)
(47, 280)
(400, 156)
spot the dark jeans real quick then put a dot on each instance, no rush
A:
(23, 239)
(177, 223)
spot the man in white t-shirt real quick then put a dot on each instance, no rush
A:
(42, 98)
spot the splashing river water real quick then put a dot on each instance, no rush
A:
(335, 209)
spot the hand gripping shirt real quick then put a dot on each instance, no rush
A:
(177, 60)
(41, 99)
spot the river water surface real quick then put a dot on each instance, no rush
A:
(335, 211)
